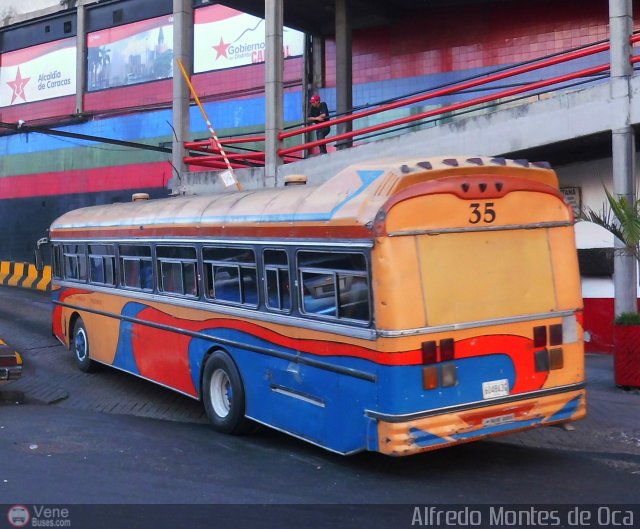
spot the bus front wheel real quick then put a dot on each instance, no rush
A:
(223, 395)
(80, 346)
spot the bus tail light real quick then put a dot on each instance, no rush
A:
(429, 352)
(549, 359)
(541, 360)
(556, 358)
(449, 375)
(446, 349)
(555, 334)
(540, 336)
(430, 377)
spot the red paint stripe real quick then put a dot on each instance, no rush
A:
(111, 35)
(214, 13)
(311, 230)
(115, 178)
(14, 58)
(125, 97)
(39, 112)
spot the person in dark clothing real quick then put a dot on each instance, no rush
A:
(319, 112)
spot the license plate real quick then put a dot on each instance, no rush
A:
(495, 388)
(500, 419)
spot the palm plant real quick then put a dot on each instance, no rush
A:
(620, 216)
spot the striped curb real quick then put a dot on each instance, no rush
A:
(25, 275)
(10, 363)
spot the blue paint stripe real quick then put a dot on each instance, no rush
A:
(250, 112)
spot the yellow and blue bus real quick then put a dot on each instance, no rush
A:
(400, 306)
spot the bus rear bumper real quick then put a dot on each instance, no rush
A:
(399, 438)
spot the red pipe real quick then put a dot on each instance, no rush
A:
(451, 89)
(456, 106)
(226, 141)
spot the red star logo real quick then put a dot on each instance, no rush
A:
(221, 49)
(18, 86)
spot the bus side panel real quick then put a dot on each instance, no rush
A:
(319, 405)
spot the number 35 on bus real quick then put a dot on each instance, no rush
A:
(400, 306)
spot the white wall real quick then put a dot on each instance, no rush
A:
(591, 178)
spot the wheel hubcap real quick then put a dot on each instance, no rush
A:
(81, 345)
(221, 393)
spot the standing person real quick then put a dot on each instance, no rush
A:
(318, 113)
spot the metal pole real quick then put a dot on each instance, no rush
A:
(81, 56)
(344, 76)
(625, 277)
(183, 51)
(273, 11)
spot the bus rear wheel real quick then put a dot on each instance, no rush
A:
(223, 395)
(80, 347)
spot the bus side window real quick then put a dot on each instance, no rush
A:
(231, 274)
(277, 284)
(57, 261)
(177, 270)
(335, 285)
(75, 262)
(101, 264)
(136, 266)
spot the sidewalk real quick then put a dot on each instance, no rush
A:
(611, 429)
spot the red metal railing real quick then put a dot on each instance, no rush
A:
(210, 156)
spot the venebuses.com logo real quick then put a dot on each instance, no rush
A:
(39, 516)
(18, 516)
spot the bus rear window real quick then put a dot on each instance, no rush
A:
(334, 285)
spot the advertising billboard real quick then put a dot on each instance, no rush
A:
(38, 73)
(226, 38)
(130, 54)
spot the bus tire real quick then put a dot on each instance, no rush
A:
(223, 395)
(80, 347)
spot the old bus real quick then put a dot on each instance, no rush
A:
(400, 306)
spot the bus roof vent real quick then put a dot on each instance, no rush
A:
(499, 161)
(451, 162)
(136, 197)
(405, 169)
(543, 165)
(295, 180)
(524, 163)
(475, 161)
(425, 165)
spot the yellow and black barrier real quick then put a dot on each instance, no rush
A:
(25, 275)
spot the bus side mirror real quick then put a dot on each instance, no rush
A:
(37, 254)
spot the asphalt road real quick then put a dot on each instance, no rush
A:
(150, 446)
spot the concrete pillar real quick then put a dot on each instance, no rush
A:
(313, 75)
(81, 56)
(317, 44)
(344, 78)
(625, 278)
(183, 50)
(273, 13)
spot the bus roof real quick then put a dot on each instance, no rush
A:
(352, 198)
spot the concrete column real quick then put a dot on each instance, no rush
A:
(344, 79)
(183, 50)
(625, 278)
(273, 11)
(314, 75)
(317, 44)
(81, 56)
